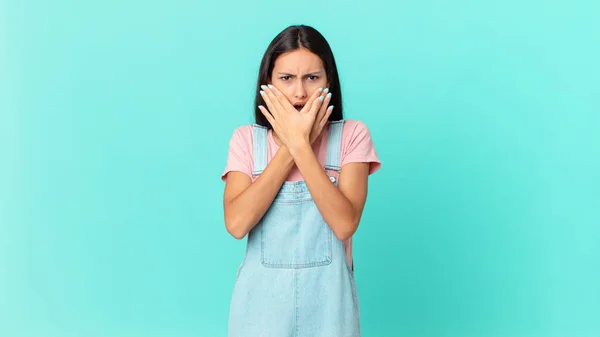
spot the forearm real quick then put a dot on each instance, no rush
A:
(245, 210)
(337, 211)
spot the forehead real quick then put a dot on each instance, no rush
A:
(299, 60)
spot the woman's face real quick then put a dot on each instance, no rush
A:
(297, 74)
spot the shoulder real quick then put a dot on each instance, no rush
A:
(240, 142)
(358, 145)
(242, 136)
(354, 123)
(355, 131)
(243, 131)
(239, 157)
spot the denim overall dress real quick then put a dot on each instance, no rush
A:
(294, 280)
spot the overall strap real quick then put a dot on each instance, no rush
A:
(334, 145)
(259, 148)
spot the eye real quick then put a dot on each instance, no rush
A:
(313, 78)
(285, 78)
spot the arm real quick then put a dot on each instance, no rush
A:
(246, 202)
(340, 207)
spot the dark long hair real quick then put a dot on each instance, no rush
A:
(292, 38)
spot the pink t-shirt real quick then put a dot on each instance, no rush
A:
(357, 146)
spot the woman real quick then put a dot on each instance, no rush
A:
(296, 185)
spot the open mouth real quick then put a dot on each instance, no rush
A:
(298, 106)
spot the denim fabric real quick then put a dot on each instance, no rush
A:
(294, 280)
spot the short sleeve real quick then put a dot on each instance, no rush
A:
(358, 146)
(239, 157)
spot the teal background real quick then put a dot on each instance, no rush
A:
(115, 118)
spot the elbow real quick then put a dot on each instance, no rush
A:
(235, 228)
(346, 230)
(347, 225)
(235, 232)
(343, 236)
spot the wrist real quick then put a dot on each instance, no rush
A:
(284, 153)
(298, 148)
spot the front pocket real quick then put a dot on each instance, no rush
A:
(294, 235)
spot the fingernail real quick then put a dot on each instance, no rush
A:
(263, 87)
(329, 95)
(320, 89)
(321, 98)
(262, 93)
(260, 106)
(270, 86)
(331, 107)
(326, 89)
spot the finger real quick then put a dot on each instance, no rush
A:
(272, 109)
(316, 105)
(274, 100)
(267, 114)
(326, 116)
(280, 96)
(318, 99)
(311, 100)
(323, 122)
(323, 108)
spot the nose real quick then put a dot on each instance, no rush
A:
(299, 91)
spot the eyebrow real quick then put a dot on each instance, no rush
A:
(308, 74)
